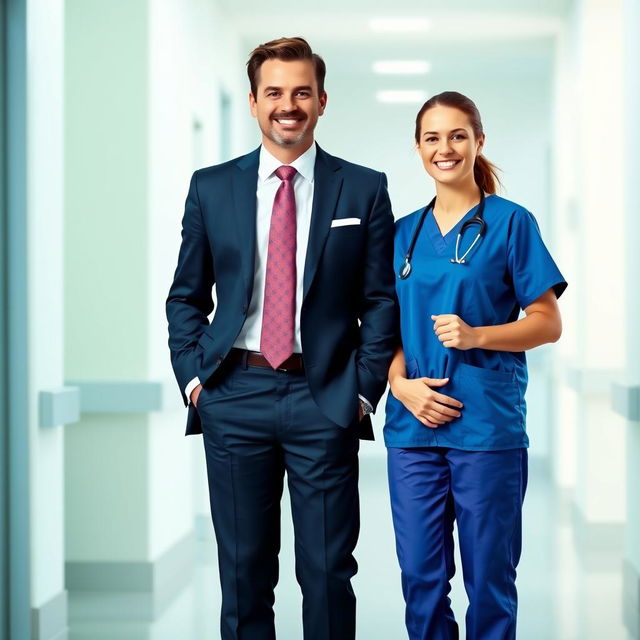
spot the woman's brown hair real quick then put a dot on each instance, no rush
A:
(484, 172)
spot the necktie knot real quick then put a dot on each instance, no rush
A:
(285, 172)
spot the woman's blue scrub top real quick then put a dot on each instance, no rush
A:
(506, 271)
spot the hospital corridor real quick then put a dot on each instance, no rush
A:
(107, 109)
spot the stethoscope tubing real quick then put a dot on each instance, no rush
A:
(405, 270)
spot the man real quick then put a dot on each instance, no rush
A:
(299, 246)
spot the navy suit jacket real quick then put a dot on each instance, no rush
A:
(349, 310)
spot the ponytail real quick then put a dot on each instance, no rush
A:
(485, 174)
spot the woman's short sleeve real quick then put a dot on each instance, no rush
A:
(533, 270)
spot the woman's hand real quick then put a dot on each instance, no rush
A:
(453, 331)
(427, 405)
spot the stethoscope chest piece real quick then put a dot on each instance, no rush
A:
(405, 270)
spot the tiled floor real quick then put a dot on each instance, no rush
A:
(570, 583)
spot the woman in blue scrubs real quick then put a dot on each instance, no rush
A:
(455, 423)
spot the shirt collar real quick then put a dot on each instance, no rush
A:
(304, 164)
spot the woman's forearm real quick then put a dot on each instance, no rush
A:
(531, 331)
(398, 366)
(542, 324)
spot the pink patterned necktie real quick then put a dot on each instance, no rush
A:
(276, 341)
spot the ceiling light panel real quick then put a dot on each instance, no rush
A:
(401, 97)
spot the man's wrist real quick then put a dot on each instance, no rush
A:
(190, 387)
(195, 394)
(365, 406)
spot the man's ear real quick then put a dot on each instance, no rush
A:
(252, 105)
(323, 102)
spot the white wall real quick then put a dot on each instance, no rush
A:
(564, 193)
(632, 227)
(139, 75)
(600, 279)
(105, 247)
(599, 104)
(45, 64)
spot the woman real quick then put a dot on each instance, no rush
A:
(455, 426)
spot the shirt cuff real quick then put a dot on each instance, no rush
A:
(190, 387)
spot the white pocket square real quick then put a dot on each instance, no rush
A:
(343, 222)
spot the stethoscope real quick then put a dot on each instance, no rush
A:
(477, 218)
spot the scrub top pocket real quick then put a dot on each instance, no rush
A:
(493, 413)
(473, 372)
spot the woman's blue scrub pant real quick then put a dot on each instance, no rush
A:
(483, 492)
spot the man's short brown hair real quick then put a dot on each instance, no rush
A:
(284, 49)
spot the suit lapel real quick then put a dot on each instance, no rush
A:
(326, 189)
(244, 184)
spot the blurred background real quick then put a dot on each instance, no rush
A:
(108, 106)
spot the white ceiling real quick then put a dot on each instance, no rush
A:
(338, 20)
(469, 36)
(555, 7)
(400, 8)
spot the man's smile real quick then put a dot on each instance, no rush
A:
(288, 120)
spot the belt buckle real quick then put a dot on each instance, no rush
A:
(289, 369)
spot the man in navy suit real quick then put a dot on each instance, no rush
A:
(298, 244)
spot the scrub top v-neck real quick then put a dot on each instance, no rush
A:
(506, 271)
(444, 244)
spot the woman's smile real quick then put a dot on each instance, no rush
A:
(446, 165)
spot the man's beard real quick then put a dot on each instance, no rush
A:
(287, 142)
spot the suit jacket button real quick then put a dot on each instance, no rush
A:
(219, 359)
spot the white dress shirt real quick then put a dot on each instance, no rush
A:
(268, 184)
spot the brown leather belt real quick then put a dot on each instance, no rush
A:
(293, 364)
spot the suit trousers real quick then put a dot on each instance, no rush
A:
(258, 424)
(483, 492)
